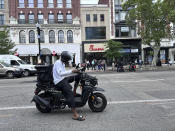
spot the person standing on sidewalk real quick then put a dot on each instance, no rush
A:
(103, 64)
(93, 64)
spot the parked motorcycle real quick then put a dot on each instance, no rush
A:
(132, 67)
(48, 98)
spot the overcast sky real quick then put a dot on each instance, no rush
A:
(89, 1)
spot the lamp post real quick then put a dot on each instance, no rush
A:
(38, 36)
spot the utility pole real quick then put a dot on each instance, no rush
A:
(38, 36)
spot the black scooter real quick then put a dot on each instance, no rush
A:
(47, 98)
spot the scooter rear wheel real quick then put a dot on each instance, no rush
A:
(97, 102)
(41, 108)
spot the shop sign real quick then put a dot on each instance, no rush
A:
(27, 54)
(124, 29)
(125, 51)
(134, 50)
(94, 48)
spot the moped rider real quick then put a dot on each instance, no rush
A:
(62, 78)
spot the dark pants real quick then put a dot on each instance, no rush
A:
(66, 88)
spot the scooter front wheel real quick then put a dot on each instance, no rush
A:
(97, 102)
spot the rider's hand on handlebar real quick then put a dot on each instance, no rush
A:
(75, 71)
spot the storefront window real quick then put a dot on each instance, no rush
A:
(69, 36)
(51, 36)
(31, 36)
(88, 18)
(42, 36)
(22, 37)
(95, 17)
(60, 36)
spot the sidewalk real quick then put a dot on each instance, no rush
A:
(164, 67)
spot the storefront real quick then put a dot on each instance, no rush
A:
(163, 55)
(49, 53)
(93, 50)
(131, 50)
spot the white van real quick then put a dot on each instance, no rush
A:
(17, 62)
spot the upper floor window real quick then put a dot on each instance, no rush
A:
(42, 36)
(60, 3)
(31, 19)
(69, 36)
(117, 2)
(2, 19)
(31, 36)
(102, 17)
(122, 15)
(60, 36)
(40, 19)
(21, 19)
(1, 4)
(31, 3)
(40, 3)
(69, 18)
(51, 36)
(68, 3)
(50, 3)
(95, 17)
(51, 19)
(22, 37)
(60, 18)
(125, 31)
(21, 3)
(95, 33)
(88, 19)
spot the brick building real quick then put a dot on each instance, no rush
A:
(4, 13)
(59, 22)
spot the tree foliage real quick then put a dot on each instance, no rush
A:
(153, 18)
(113, 49)
(5, 43)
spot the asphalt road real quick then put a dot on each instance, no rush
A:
(143, 101)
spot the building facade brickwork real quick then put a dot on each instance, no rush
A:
(59, 25)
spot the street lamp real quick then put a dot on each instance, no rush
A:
(38, 36)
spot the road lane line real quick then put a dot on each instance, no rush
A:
(141, 101)
(139, 81)
(109, 103)
(16, 108)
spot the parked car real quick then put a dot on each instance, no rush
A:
(17, 62)
(9, 71)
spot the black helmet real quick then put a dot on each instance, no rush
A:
(66, 56)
